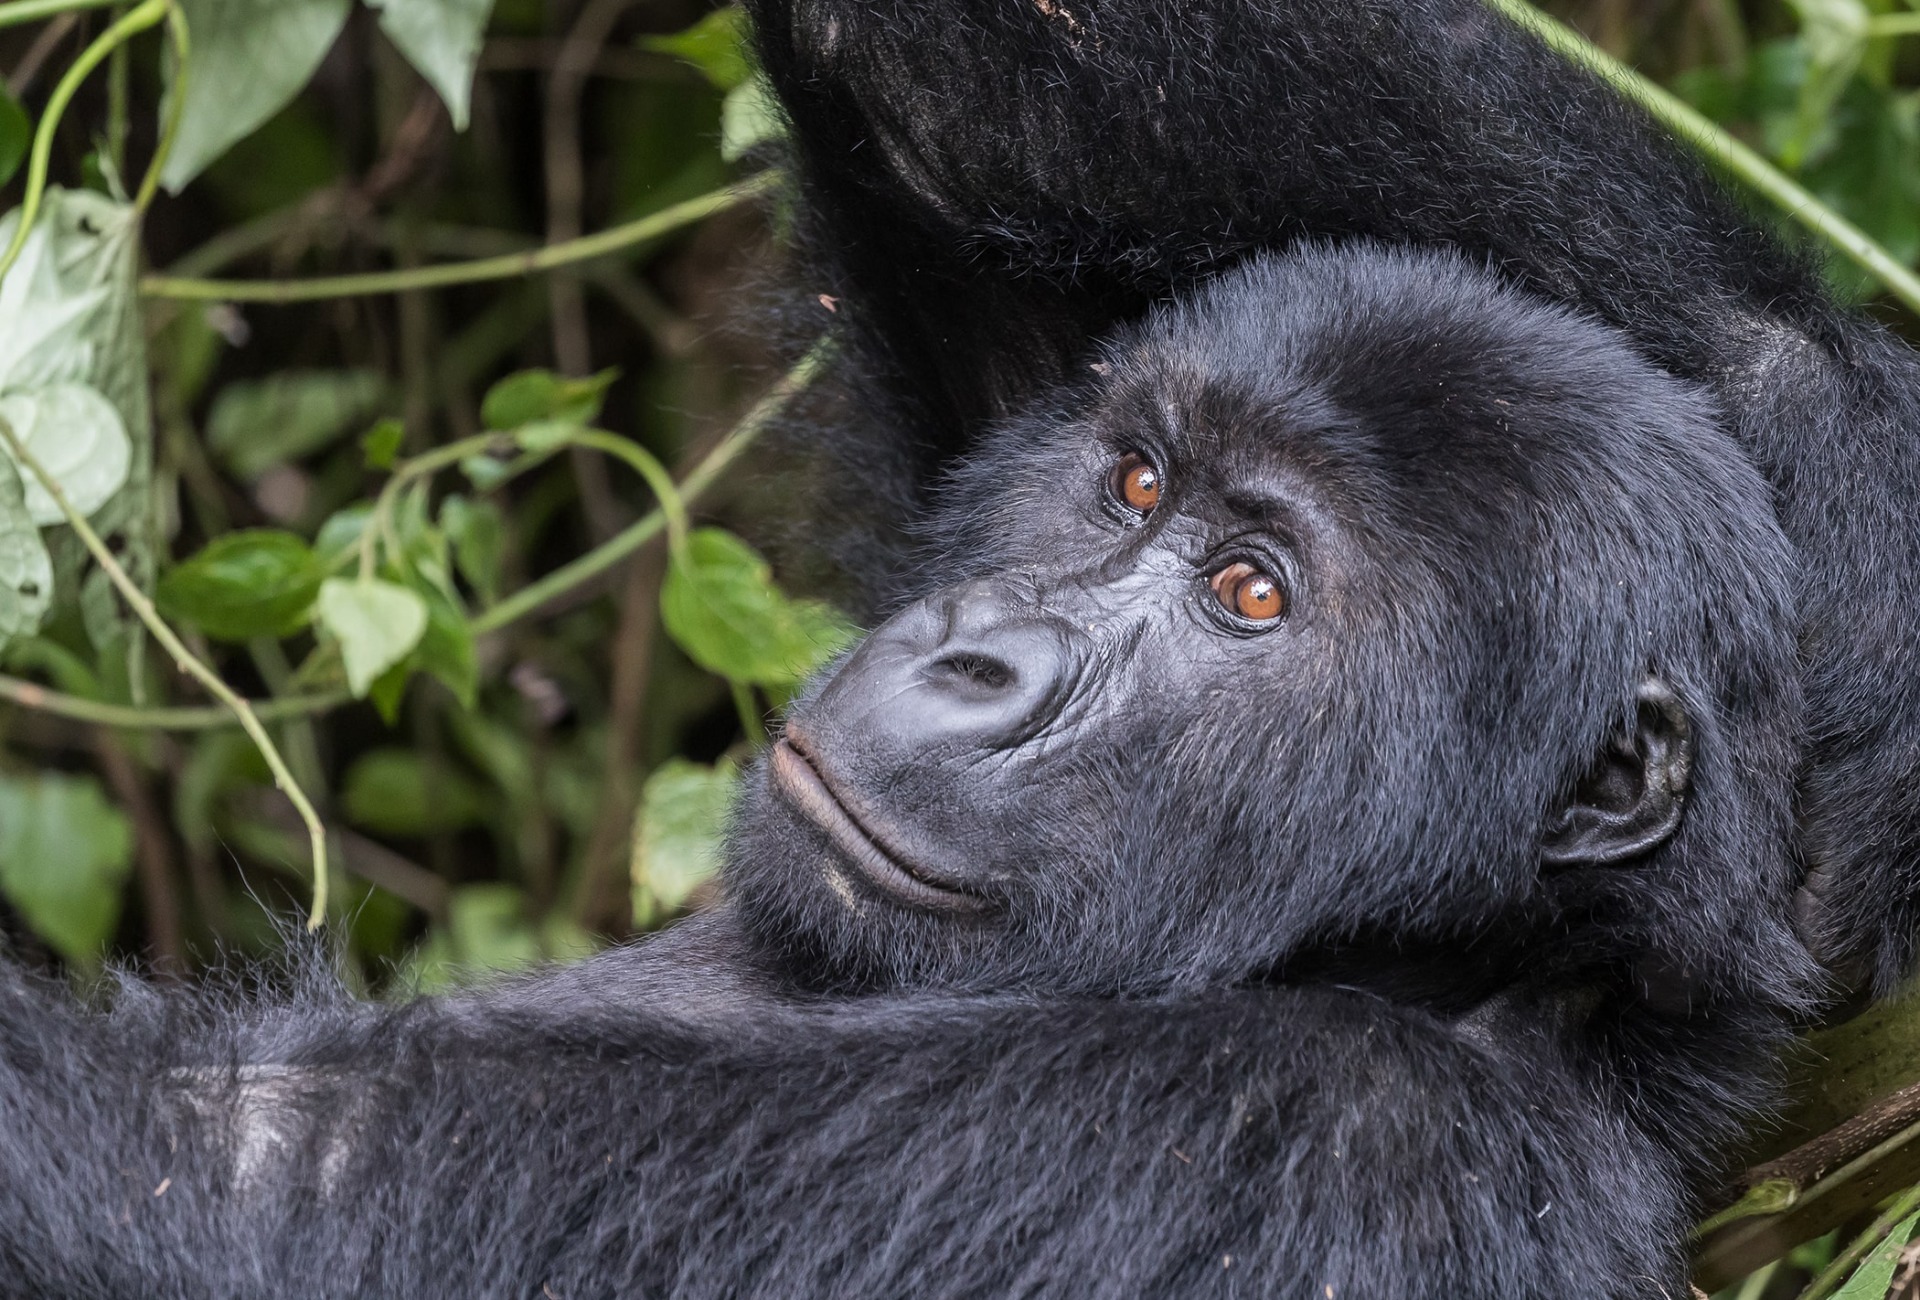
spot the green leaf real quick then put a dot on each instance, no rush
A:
(376, 623)
(1875, 1275)
(399, 792)
(749, 118)
(539, 395)
(719, 603)
(441, 38)
(26, 570)
(678, 835)
(64, 855)
(381, 444)
(256, 424)
(16, 134)
(478, 533)
(249, 58)
(485, 472)
(717, 45)
(488, 929)
(446, 649)
(79, 439)
(258, 582)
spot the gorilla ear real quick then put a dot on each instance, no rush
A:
(1631, 800)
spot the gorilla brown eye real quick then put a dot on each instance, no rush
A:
(1135, 482)
(1248, 592)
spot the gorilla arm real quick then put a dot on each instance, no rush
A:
(994, 182)
(1285, 1142)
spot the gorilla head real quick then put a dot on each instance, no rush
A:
(1354, 595)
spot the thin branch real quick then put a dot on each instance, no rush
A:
(32, 695)
(532, 597)
(1696, 129)
(527, 601)
(508, 267)
(138, 20)
(184, 659)
(1836, 1273)
(33, 11)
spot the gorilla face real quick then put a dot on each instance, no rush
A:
(1353, 595)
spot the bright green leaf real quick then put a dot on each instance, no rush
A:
(441, 38)
(16, 133)
(478, 533)
(258, 582)
(1875, 1274)
(537, 395)
(485, 472)
(381, 444)
(256, 424)
(749, 118)
(376, 623)
(249, 58)
(26, 570)
(64, 854)
(79, 439)
(678, 834)
(399, 792)
(721, 606)
(717, 45)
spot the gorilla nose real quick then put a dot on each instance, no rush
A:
(977, 665)
(998, 665)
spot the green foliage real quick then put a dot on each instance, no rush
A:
(676, 844)
(64, 854)
(722, 607)
(259, 582)
(376, 624)
(257, 424)
(1874, 1276)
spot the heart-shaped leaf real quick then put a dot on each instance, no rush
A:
(78, 437)
(376, 623)
(720, 604)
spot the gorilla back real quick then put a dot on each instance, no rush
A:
(1330, 839)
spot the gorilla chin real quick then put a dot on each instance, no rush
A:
(798, 779)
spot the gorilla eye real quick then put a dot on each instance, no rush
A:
(1246, 591)
(1135, 482)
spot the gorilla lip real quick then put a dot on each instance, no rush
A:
(806, 790)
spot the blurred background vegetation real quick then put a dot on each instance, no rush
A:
(364, 338)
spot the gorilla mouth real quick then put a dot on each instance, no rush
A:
(806, 790)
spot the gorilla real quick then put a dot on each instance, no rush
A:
(1327, 834)
(1352, 514)
(990, 183)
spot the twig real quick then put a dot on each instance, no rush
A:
(153, 856)
(604, 244)
(32, 11)
(32, 695)
(1831, 1277)
(184, 659)
(603, 557)
(21, 79)
(1696, 129)
(137, 20)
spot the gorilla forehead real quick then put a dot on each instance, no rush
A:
(1408, 387)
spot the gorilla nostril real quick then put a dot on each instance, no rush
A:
(975, 670)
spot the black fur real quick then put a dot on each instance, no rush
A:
(1084, 938)
(1234, 968)
(994, 182)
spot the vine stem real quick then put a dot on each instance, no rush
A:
(1699, 131)
(630, 539)
(176, 108)
(32, 11)
(1846, 1261)
(506, 267)
(522, 604)
(185, 660)
(137, 20)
